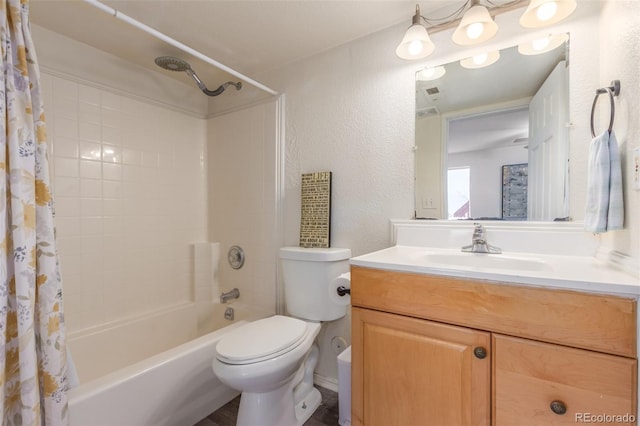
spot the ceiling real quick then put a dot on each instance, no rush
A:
(248, 36)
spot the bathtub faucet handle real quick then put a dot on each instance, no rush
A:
(233, 294)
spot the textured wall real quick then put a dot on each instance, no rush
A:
(619, 61)
(350, 110)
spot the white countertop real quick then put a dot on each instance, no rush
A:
(582, 273)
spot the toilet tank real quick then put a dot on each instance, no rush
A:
(307, 274)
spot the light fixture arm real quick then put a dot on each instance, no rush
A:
(417, 16)
(454, 19)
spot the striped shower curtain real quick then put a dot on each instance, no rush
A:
(32, 338)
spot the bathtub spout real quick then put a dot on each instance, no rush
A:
(233, 294)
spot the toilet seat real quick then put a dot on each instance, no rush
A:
(261, 340)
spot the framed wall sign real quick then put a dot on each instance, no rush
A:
(315, 218)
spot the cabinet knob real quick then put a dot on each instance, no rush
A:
(558, 407)
(480, 352)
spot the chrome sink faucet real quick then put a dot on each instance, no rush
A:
(479, 242)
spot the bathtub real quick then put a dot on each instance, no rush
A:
(122, 385)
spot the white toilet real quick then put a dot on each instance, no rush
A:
(271, 361)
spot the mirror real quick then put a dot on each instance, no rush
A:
(492, 142)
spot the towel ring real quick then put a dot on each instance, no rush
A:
(613, 90)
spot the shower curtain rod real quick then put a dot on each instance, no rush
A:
(115, 13)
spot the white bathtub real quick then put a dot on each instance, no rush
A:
(174, 387)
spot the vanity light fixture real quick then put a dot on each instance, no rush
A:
(480, 61)
(476, 26)
(543, 44)
(541, 13)
(416, 43)
(431, 73)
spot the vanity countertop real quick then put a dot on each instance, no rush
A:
(581, 273)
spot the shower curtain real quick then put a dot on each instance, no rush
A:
(32, 338)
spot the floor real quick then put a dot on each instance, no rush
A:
(325, 415)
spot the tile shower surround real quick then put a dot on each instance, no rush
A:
(130, 197)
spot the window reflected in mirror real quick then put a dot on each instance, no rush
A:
(458, 193)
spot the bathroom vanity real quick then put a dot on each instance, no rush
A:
(441, 337)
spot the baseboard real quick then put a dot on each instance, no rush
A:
(325, 382)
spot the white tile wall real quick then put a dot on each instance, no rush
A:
(242, 157)
(206, 261)
(130, 194)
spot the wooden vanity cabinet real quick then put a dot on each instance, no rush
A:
(530, 376)
(429, 350)
(417, 369)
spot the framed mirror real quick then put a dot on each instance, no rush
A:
(492, 141)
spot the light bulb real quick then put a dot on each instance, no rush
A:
(540, 44)
(480, 59)
(475, 30)
(415, 47)
(415, 44)
(547, 10)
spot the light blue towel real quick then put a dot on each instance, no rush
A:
(605, 207)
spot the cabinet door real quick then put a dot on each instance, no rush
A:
(535, 382)
(408, 371)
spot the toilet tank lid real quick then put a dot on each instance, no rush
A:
(315, 254)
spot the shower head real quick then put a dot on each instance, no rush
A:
(174, 64)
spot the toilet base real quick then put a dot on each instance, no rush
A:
(276, 408)
(291, 404)
(308, 405)
(270, 409)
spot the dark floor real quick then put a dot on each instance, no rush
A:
(325, 415)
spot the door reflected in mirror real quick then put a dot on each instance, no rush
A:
(492, 142)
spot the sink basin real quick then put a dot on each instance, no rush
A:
(483, 260)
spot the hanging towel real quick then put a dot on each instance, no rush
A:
(604, 209)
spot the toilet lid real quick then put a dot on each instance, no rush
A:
(261, 340)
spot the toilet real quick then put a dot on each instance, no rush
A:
(271, 360)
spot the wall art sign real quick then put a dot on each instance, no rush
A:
(315, 220)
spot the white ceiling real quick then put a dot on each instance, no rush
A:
(248, 36)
